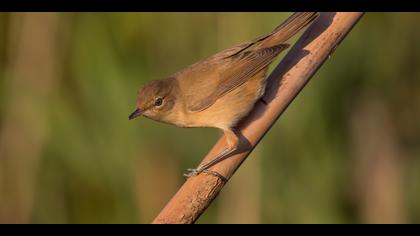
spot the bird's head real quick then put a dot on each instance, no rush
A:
(155, 99)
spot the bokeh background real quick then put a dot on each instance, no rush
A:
(345, 151)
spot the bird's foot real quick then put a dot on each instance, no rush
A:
(191, 172)
(194, 172)
(204, 168)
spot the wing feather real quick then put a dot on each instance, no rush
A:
(224, 76)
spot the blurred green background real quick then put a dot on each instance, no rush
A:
(345, 151)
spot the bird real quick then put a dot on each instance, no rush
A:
(219, 90)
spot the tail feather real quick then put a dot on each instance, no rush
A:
(294, 24)
(287, 29)
(278, 36)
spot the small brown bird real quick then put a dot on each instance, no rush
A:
(220, 90)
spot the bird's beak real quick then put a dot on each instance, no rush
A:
(136, 113)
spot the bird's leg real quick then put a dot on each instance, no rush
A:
(232, 141)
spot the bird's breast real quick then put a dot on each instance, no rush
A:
(228, 109)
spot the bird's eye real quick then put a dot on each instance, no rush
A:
(158, 101)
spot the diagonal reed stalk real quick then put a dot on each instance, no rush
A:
(290, 76)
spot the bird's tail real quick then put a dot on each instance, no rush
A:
(287, 29)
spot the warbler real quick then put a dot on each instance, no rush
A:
(219, 90)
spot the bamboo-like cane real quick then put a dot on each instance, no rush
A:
(290, 76)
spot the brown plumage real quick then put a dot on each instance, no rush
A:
(220, 90)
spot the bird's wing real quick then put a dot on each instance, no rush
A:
(204, 83)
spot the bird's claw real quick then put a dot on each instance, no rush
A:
(194, 172)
